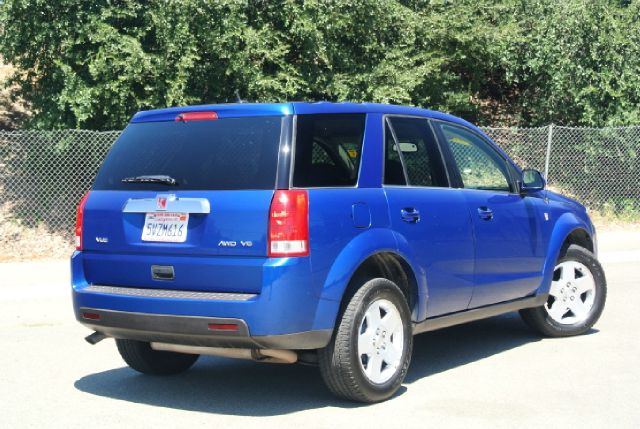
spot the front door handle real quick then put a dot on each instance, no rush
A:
(485, 213)
(410, 215)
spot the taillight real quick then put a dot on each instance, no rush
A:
(289, 224)
(79, 220)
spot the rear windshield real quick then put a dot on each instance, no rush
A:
(223, 154)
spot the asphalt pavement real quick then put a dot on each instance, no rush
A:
(490, 373)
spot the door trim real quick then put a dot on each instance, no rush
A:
(458, 318)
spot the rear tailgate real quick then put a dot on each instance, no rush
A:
(209, 230)
(235, 223)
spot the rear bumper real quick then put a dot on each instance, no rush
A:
(193, 331)
(286, 314)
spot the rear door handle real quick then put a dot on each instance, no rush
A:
(410, 215)
(485, 213)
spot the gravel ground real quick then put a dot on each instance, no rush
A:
(21, 243)
(491, 373)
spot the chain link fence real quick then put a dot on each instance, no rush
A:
(598, 166)
(43, 174)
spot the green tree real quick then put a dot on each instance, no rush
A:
(573, 62)
(93, 64)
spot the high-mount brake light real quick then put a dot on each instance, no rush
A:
(196, 116)
(289, 224)
(80, 221)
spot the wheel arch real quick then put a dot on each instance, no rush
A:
(568, 230)
(391, 266)
(580, 237)
(373, 253)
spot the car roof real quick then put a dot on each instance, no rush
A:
(282, 109)
(234, 110)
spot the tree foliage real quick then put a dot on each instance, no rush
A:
(574, 62)
(525, 62)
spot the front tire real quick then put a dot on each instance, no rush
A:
(576, 298)
(370, 351)
(140, 356)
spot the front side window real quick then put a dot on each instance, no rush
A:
(328, 149)
(480, 166)
(410, 144)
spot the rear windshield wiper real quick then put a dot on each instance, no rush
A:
(167, 180)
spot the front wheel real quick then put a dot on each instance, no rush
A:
(576, 297)
(370, 351)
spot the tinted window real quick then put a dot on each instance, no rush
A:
(480, 166)
(393, 171)
(232, 153)
(328, 149)
(410, 142)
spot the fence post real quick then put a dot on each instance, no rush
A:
(546, 161)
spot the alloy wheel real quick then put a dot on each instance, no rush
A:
(380, 341)
(572, 293)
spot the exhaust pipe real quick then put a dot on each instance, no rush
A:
(260, 355)
(277, 356)
(95, 338)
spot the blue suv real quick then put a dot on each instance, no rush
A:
(324, 233)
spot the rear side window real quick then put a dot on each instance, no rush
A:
(410, 144)
(222, 154)
(328, 149)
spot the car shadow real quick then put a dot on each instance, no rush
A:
(245, 388)
(445, 349)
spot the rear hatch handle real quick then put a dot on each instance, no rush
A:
(163, 272)
(167, 203)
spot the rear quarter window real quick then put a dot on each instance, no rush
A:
(328, 149)
(222, 154)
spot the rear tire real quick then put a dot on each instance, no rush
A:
(369, 354)
(140, 356)
(577, 296)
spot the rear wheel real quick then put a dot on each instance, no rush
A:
(576, 297)
(140, 356)
(369, 354)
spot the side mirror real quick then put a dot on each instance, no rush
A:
(531, 181)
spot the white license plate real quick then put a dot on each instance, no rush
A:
(165, 227)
